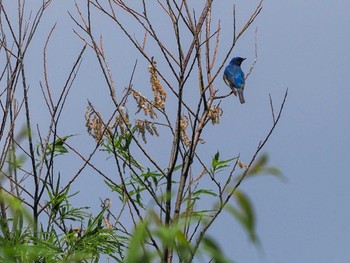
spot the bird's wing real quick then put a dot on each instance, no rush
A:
(239, 80)
(229, 81)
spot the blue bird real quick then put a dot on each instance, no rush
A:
(234, 77)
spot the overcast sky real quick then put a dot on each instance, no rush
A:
(303, 45)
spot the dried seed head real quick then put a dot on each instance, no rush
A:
(242, 165)
(97, 128)
(145, 125)
(144, 104)
(215, 114)
(121, 120)
(158, 91)
(183, 126)
(94, 123)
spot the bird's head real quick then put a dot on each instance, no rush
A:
(237, 61)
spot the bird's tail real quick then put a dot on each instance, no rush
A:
(240, 96)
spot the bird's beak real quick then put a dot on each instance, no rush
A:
(244, 58)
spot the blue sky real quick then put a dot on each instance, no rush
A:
(303, 45)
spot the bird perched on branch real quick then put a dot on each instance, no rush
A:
(234, 77)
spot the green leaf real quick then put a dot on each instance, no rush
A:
(212, 248)
(60, 149)
(204, 192)
(178, 167)
(135, 252)
(260, 167)
(55, 147)
(215, 159)
(245, 215)
(218, 165)
(119, 145)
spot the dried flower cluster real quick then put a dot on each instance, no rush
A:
(144, 104)
(242, 165)
(158, 91)
(145, 125)
(97, 128)
(94, 123)
(122, 121)
(183, 126)
(215, 114)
